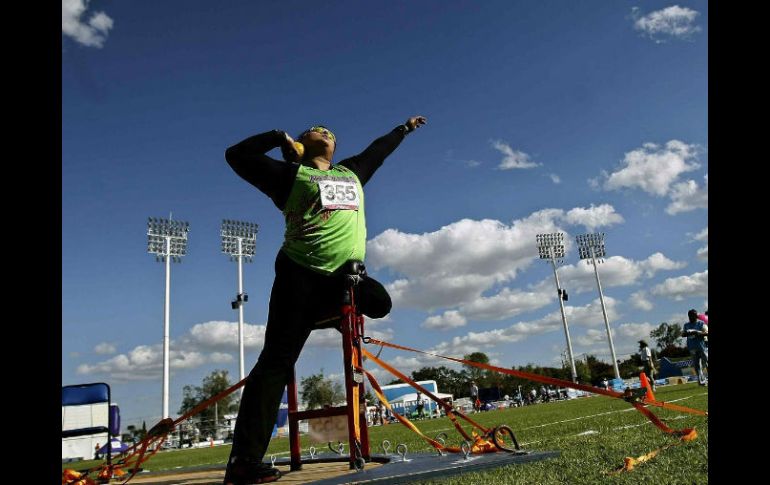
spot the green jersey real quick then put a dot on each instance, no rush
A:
(325, 219)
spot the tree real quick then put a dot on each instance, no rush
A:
(212, 384)
(447, 380)
(318, 391)
(667, 335)
(599, 370)
(475, 373)
(370, 399)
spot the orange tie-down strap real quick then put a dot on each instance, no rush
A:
(478, 444)
(629, 463)
(137, 453)
(563, 383)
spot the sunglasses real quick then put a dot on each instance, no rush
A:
(323, 131)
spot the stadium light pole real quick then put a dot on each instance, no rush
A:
(551, 247)
(590, 247)
(167, 239)
(239, 241)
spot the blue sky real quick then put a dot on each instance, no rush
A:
(542, 117)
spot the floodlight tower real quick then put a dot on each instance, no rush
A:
(239, 240)
(551, 247)
(590, 247)
(167, 239)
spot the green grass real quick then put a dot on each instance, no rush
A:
(617, 432)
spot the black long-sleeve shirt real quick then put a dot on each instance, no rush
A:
(275, 177)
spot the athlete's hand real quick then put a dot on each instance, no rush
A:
(415, 122)
(289, 150)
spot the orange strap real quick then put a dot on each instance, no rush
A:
(157, 433)
(478, 444)
(403, 420)
(557, 382)
(440, 402)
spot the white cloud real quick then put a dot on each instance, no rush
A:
(555, 178)
(614, 271)
(589, 315)
(143, 362)
(591, 337)
(221, 335)
(505, 304)
(703, 253)
(456, 264)
(450, 319)
(513, 158)
(640, 301)
(105, 348)
(626, 336)
(687, 196)
(674, 21)
(653, 168)
(683, 286)
(658, 262)
(92, 33)
(594, 216)
(220, 358)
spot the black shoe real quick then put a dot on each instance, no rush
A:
(243, 472)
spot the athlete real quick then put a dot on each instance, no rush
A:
(323, 205)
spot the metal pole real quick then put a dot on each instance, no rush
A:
(604, 312)
(564, 321)
(165, 327)
(240, 312)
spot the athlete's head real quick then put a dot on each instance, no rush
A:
(692, 315)
(318, 137)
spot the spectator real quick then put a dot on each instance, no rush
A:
(649, 365)
(97, 456)
(475, 396)
(605, 383)
(420, 406)
(378, 414)
(696, 332)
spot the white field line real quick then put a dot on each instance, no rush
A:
(378, 447)
(604, 414)
(592, 416)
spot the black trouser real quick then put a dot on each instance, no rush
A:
(300, 297)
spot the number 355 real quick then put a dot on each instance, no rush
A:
(340, 192)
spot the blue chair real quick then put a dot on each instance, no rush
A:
(84, 394)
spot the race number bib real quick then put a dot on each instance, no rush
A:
(339, 194)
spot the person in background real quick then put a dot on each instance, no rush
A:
(697, 331)
(475, 396)
(649, 365)
(420, 406)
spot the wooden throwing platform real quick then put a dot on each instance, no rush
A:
(417, 466)
(215, 475)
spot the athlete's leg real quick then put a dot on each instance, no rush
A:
(285, 336)
(373, 299)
